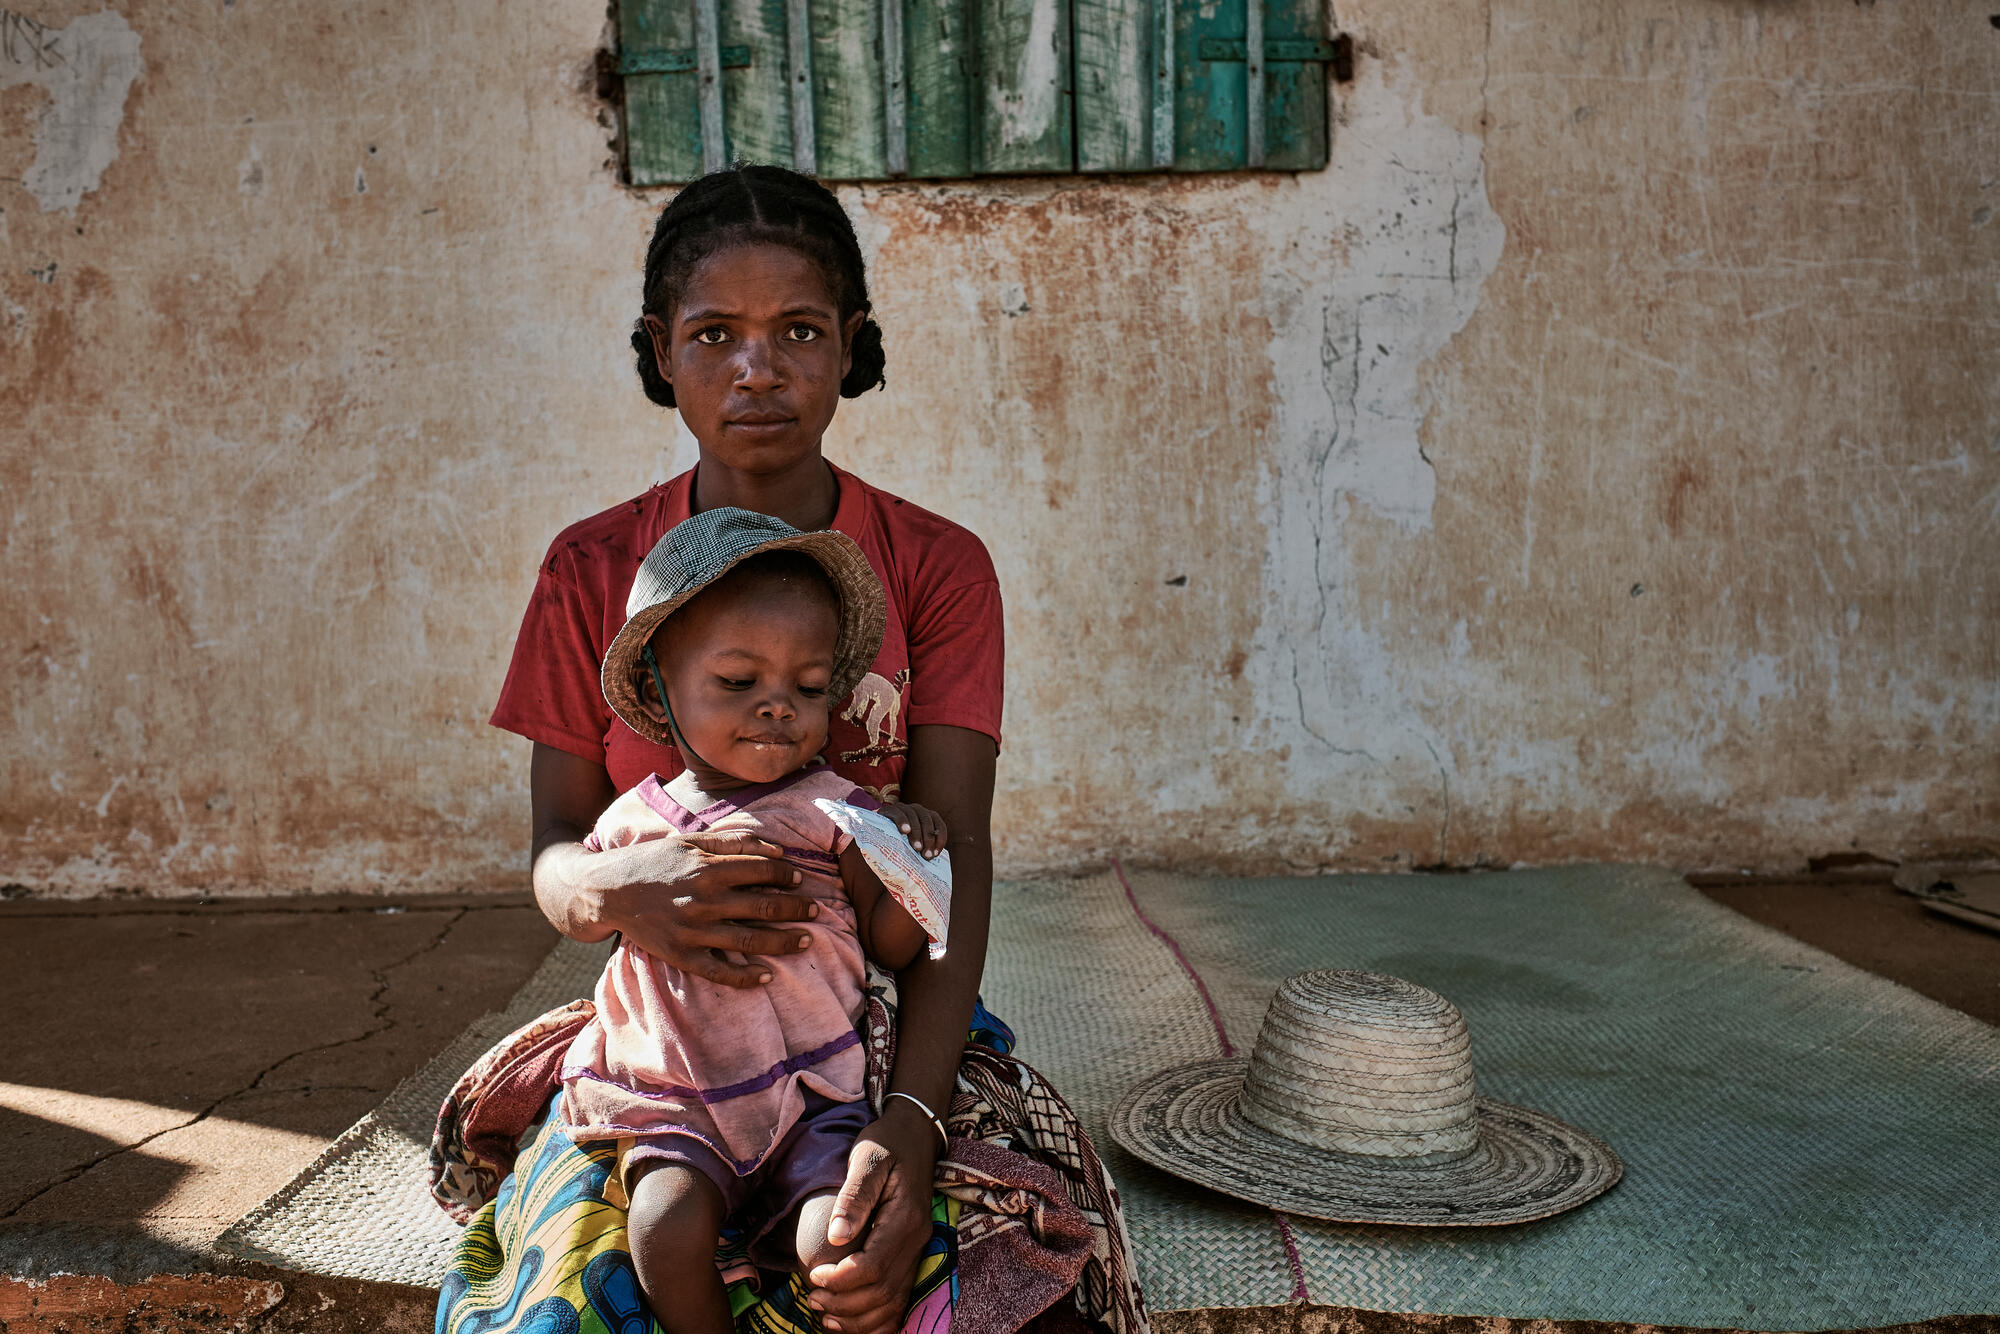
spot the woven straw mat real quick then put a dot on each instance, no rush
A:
(1806, 1146)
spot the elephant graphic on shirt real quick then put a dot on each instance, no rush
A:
(875, 707)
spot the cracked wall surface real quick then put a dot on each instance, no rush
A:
(1600, 459)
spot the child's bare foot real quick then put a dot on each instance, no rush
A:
(675, 1217)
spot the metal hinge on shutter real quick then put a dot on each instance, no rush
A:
(659, 60)
(1276, 50)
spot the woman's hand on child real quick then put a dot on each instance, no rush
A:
(886, 1201)
(685, 900)
(924, 825)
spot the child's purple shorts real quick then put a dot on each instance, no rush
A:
(810, 1159)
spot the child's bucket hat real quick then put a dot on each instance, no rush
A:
(1356, 1106)
(695, 554)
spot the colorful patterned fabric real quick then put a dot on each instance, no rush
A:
(1002, 1105)
(1022, 1199)
(489, 1110)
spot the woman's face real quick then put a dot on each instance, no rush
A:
(755, 352)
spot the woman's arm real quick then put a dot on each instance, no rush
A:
(679, 899)
(888, 1190)
(566, 794)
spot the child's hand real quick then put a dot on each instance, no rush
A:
(924, 825)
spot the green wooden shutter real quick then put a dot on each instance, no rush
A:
(941, 62)
(755, 99)
(1168, 84)
(847, 89)
(941, 89)
(1115, 85)
(662, 111)
(1024, 87)
(1231, 111)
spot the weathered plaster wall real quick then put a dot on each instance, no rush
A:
(1601, 459)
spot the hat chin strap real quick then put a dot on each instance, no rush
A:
(673, 728)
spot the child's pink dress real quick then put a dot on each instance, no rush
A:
(672, 1057)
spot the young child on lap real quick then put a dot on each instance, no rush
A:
(743, 1104)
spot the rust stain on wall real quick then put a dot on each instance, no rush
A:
(1685, 483)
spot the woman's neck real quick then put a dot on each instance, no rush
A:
(804, 495)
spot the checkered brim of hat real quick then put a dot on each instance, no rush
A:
(696, 553)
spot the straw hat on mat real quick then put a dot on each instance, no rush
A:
(699, 551)
(1356, 1106)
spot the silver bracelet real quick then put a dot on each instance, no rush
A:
(944, 1140)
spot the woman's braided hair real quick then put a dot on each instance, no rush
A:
(754, 204)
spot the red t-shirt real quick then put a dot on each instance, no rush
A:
(940, 660)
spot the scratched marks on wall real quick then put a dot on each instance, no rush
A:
(24, 42)
(87, 69)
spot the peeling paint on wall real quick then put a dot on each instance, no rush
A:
(1403, 209)
(87, 68)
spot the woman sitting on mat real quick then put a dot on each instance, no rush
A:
(755, 323)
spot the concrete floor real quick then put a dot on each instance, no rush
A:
(1872, 925)
(263, 1304)
(170, 1065)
